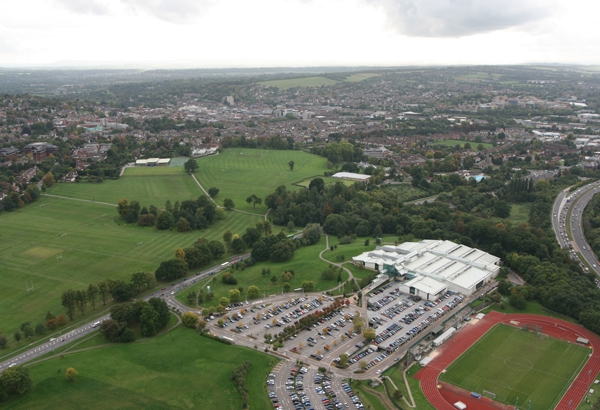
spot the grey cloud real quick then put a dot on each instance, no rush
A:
(170, 10)
(84, 6)
(458, 18)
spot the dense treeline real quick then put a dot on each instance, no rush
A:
(186, 216)
(239, 378)
(591, 224)
(151, 316)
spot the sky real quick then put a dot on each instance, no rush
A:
(296, 33)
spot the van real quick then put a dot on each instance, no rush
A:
(96, 324)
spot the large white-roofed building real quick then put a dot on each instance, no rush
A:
(431, 267)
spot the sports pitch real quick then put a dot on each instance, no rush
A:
(241, 172)
(57, 243)
(513, 363)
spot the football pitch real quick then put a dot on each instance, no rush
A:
(513, 363)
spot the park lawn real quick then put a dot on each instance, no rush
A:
(93, 249)
(241, 172)
(519, 213)
(395, 373)
(306, 265)
(177, 370)
(315, 81)
(452, 143)
(511, 363)
(141, 184)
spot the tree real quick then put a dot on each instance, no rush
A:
(18, 336)
(228, 203)
(357, 323)
(149, 321)
(27, 330)
(69, 302)
(343, 360)
(369, 334)
(48, 180)
(362, 365)
(253, 291)
(254, 200)
(171, 269)
(227, 238)
(3, 341)
(92, 294)
(224, 301)
(234, 295)
(308, 286)
(183, 225)
(165, 220)
(291, 165)
(81, 298)
(122, 292)
(40, 329)
(213, 192)
(104, 289)
(71, 374)
(15, 380)
(190, 166)
(238, 245)
(201, 325)
(502, 209)
(397, 394)
(189, 319)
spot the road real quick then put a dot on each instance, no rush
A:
(567, 214)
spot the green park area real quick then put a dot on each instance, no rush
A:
(57, 244)
(453, 143)
(316, 81)
(241, 172)
(179, 369)
(306, 266)
(511, 363)
(147, 185)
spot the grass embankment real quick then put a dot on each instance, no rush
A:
(395, 373)
(177, 370)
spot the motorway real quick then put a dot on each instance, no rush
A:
(567, 214)
(57, 340)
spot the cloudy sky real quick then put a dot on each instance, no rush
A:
(251, 33)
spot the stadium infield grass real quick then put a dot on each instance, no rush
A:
(179, 369)
(512, 363)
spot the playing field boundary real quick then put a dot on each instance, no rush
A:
(464, 339)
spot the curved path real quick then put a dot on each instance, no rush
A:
(339, 265)
(556, 328)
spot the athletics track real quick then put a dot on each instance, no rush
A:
(442, 399)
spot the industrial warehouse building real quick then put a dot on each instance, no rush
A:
(429, 268)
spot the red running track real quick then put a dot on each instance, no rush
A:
(556, 328)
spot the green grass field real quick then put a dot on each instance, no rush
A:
(241, 172)
(513, 363)
(148, 185)
(315, 81)
(453, 143)
(177, 370)
(94, 248)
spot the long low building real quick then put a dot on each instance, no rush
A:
(431, 267)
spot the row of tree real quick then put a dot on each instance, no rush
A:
(120, 291)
